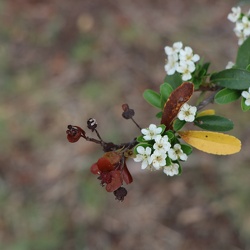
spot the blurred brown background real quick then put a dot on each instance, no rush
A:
(62, 62)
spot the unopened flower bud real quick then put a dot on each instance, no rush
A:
(120, 193)
(92, 124)
(127, 112)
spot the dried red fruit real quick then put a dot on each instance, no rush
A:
(104, 164)
(108, 161)
(120, 193)
(112, 171)
(126, 176)
(74, 133)
(116, 181)
(94, 169)
(128, 113)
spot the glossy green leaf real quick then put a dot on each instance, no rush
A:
(159, 114)
(178, 124)
(214, 123)
(140, 138)
(174, 80)
(226, 96)
(243, 56)
(170, 134)
(168, 161)
(165, 91)
(152, 98)
(232, 78)
(186, 149)
(180, 170)
(200, 73)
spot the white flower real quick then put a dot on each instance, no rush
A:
(240, 35)
(151, 132)
(144, 156)
(243, 26)
(230, 65)
(173, 50)
(234, 15)
(186, 68)
(246, 26)
(187, 55)
(158, 159)
(246, 95)
(177, 153)
(172, 64)
(187, 113)
(161, 143)
(172, 169)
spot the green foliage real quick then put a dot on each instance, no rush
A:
(152, 98)
(232, 78)
(226, 95)
(174, 80)
(214, 123)
(178, 124)
(243, 56)
(186, 149)
(200, 74)
(165, 91)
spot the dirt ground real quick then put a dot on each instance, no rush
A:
(62, 62)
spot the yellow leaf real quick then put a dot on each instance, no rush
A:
(206, 112)
(212, 142)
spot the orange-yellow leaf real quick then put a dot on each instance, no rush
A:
(206, 112)
(212, 142)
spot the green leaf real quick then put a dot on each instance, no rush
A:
(180, 169)
(226, 96)
(200, 74)
(174, 80)
(165, 91)
(163, 127)
(244, 107)
(186, 149)
(178, 124)
(243, 56)
(170, 134)
(214, 123)
(152, 98)
(168, 161)
(232, 78)
(159, 114)
(140, 138)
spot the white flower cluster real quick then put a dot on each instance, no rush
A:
(246, 95)
(155, 157)
(181, 60)
(242, 23)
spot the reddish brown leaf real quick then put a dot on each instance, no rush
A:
(175, 101)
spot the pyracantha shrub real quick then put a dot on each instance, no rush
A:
(166, 145)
